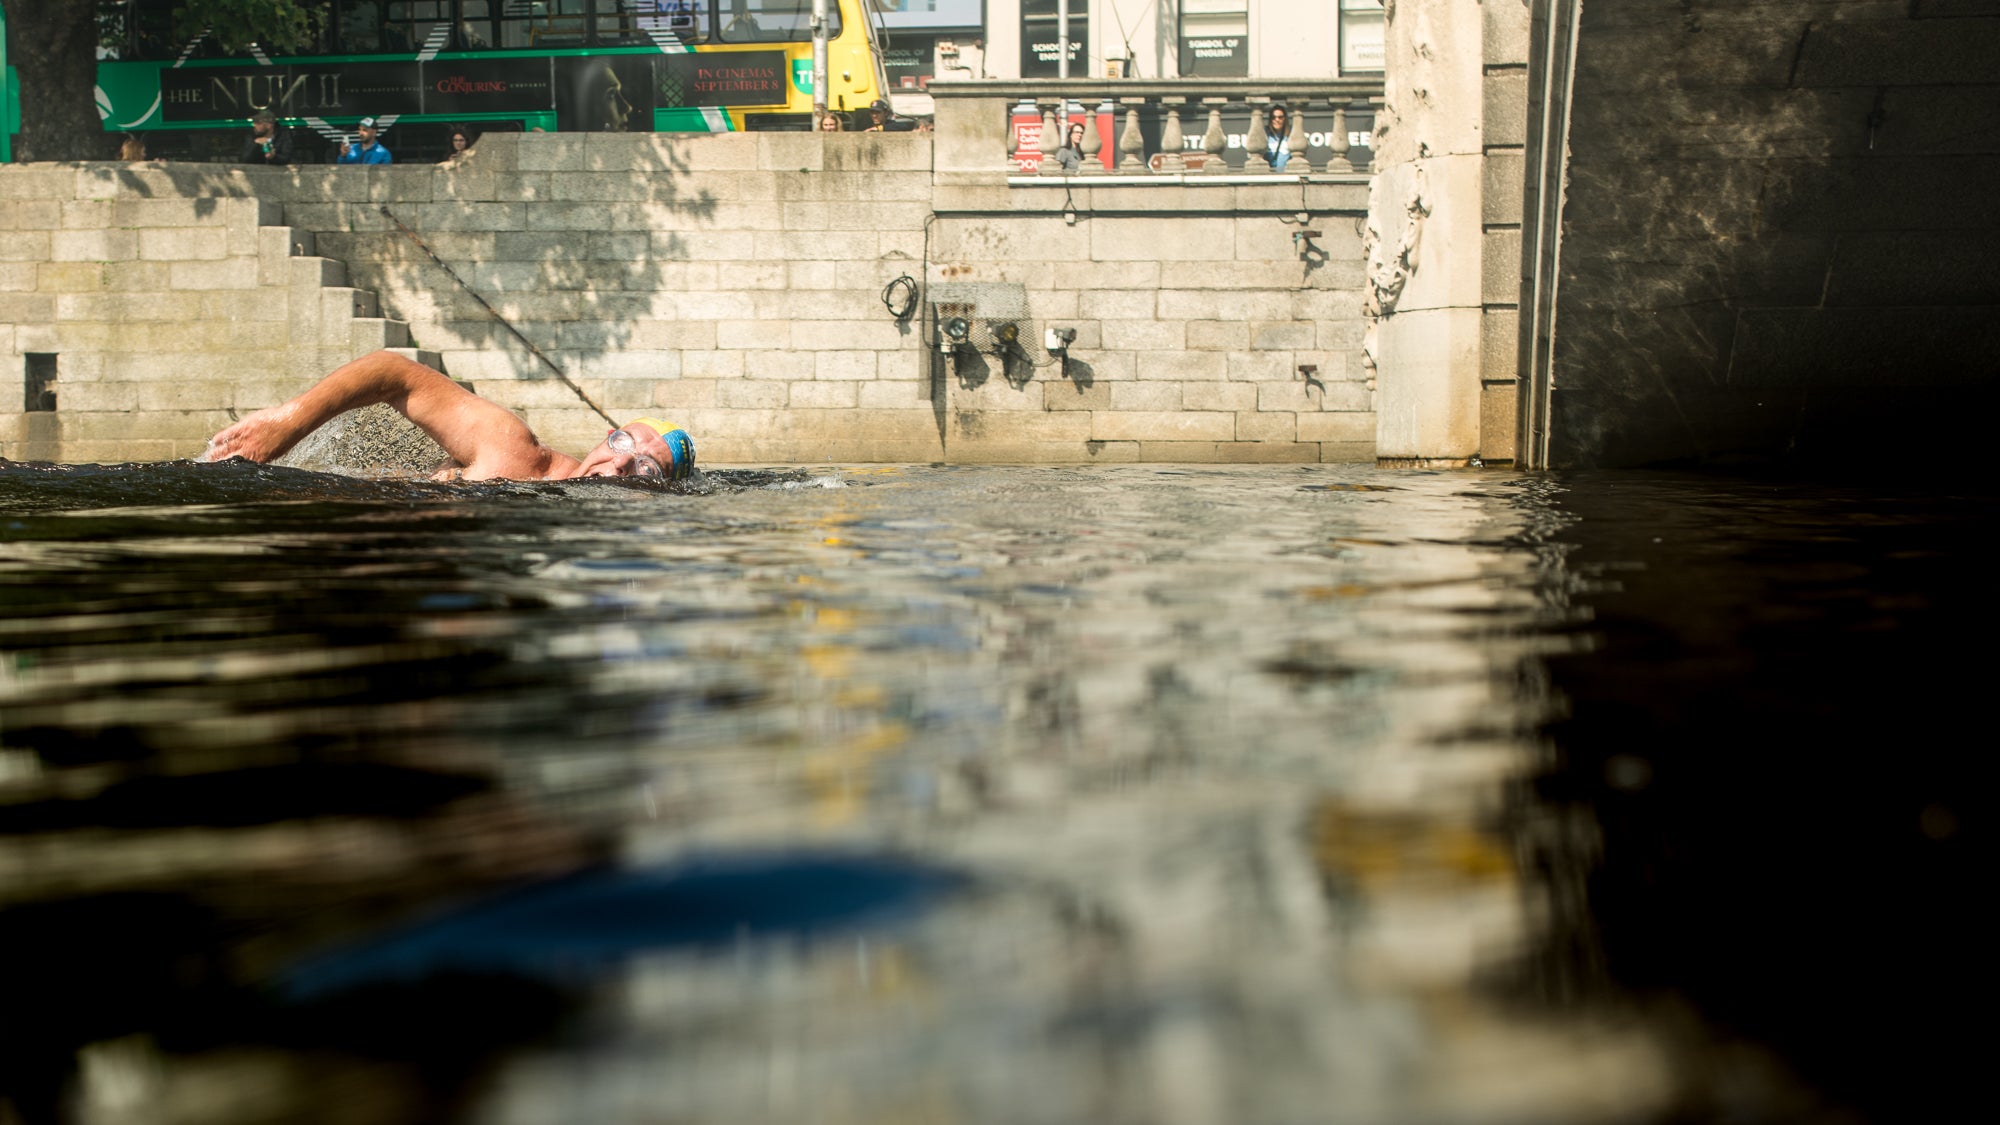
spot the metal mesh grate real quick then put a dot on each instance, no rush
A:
(996, 313)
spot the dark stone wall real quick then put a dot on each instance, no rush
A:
(1781, 238)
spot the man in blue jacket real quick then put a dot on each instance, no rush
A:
(369, 151)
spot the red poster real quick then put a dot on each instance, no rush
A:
(1027, 138)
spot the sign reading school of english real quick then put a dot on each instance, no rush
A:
(1216, 56)
(352, 88)
(724, 78)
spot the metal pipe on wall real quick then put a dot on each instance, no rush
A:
(819, 60)
(1062, 38)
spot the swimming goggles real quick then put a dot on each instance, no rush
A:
(642, 464)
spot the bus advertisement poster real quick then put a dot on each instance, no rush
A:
(353, 89)
(724, 78)
(465, 87)
(605, 94)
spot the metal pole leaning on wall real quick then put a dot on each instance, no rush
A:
(413, 236)
(1551, 79)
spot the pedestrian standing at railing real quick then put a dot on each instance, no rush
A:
(366, 151)
(1070, 155)
(461, 146)
(1277, 145)
(268, 142)
(883, 119)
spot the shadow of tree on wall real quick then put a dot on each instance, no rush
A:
(581, 261)
(586, 265)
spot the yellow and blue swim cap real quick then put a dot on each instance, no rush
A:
(679, 444)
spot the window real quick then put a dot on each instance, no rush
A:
(360, 24)
(544, 23)
(475, 25)
(41, 383)
(686, 20)
(136, 29)
(1360, 36)
(1040, 37)
(771, 21)
(408, 26)
(1215, 38)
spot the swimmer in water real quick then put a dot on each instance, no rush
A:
(484, 441)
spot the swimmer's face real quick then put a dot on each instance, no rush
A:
(615, 457)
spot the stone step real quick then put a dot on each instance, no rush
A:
(372, 333)
(318, 273)
(288, 242)
(350, 321)
(435, 361)
(425, 356)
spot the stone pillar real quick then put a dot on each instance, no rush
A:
(1172, 141)
(1296, 140)
(1254, 143)
(1364, 166)
(1214, 140)
(1131, 144)
(1340, 163)
(1051, 140)
(1424, 237)
(1093, 141)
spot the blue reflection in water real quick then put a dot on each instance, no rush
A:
(597, 920)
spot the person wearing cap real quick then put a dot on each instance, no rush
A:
(884, 120)
(368, 151)
(484, 441)
(268, 142)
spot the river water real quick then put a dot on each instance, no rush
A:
(1111, 794)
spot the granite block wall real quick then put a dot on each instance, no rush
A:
(735, 283)
(160, 308)
(1199, 336)
(1443, 245)
(1778, 233)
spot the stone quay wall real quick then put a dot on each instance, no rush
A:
(740, 284)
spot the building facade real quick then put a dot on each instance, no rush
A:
(1131, 39)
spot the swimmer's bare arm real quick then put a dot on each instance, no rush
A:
(488, 440)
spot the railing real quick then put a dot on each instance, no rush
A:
(1180, 127)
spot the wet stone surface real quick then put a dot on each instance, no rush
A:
(1124, 794)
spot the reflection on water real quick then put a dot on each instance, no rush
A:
(1115, 794)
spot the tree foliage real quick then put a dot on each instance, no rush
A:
(235, 24)
(53, 48)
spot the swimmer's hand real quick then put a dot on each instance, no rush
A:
(262, 436)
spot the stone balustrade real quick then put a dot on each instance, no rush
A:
(1181, 127)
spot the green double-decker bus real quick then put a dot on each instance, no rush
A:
(422, 68)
